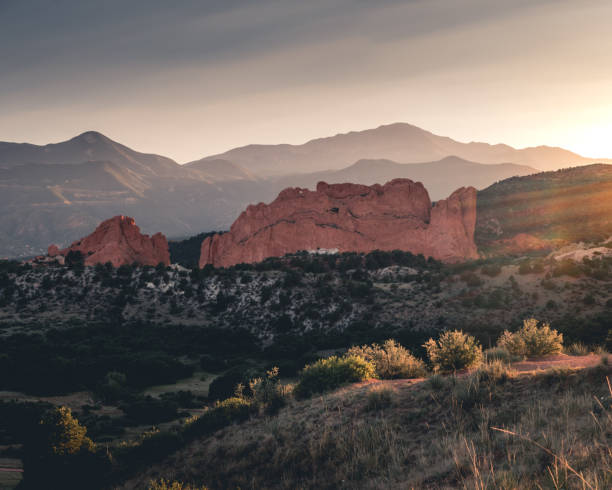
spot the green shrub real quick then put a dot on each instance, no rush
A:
(452, 351)
(392, 361)
(113, 388)
(328, 374)
(58, 454)
(224, 386)
(532, 340)
(267, 393)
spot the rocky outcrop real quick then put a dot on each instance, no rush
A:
(118, 240)
(349, 217)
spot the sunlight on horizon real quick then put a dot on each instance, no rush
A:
(593, 142)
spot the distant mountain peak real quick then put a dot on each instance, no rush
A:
(89, 146)
(91, 137)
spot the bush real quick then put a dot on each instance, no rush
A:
(454, 350)
(58, 454)
(267, 393)
(532, 340)
(225, 385)
(113, 387)
(328, 374)
(392, 361)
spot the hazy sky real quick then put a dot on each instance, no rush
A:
(188, 78)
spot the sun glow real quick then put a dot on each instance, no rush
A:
(593, 141)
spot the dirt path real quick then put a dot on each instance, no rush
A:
(529, 365)
(557, 361)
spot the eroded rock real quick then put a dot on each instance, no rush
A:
(118, 240)
(350, 217)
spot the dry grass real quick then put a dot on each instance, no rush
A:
(494, 428)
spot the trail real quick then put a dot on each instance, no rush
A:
(561, 361)
(557, 361)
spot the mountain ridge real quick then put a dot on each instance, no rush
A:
(398, 142)
(434, 175)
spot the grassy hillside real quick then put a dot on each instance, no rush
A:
(569, 205)
(437, 433)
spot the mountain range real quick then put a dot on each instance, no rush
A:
(58, 192)
(398, 142)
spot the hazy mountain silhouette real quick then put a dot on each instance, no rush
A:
(440, 178)
(86, 147)
(398, 142)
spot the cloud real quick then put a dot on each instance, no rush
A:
(214, 66)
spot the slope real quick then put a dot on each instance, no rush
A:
(439, 433)
(568, 205)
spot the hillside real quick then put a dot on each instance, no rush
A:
(565, 206)
(398, 142)
(219, 170)
(138, 353)
(433, 434)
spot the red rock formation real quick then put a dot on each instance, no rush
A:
(118, 240)
(350, 217)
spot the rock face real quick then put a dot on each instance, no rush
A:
(118, 240)
(350, 217)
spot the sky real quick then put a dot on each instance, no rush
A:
(190, 78)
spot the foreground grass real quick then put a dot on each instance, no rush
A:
(556, 432)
